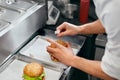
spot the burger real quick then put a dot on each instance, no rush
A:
(61, 42)
(33, 71)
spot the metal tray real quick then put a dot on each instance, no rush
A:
(15, 71)
(36, 49)
(18, 4)
(3, 25)
(8, 14)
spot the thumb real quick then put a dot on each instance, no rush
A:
(50, 40)
(64, 33)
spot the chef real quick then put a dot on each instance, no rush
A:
(108, 22)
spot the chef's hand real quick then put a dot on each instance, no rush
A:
(61, 53)
(66, 29)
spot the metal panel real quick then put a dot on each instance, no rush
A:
(13, 39)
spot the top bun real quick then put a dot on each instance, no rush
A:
(60, 42)
(33, 69)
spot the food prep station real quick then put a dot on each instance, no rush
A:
(21, 23)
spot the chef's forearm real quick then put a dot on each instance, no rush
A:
(90, 67)
(91, 28)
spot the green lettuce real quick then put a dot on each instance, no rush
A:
(34, 78)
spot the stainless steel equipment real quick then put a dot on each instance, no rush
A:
(69, 10)
(53, 14)
(34, 51)
(14, 71)
(60, 4)
(66, 8)
(19, 20)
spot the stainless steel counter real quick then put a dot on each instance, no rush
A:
(15, 72)
(34, 52)
(16, 35)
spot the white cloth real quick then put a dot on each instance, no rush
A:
(109, 14)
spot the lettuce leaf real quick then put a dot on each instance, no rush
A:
(34, 78)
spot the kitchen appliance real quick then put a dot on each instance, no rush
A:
(61, 3)
(66, 8)
(19, 21)
(69, 10)
(53, 14)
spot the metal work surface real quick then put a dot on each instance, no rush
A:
(14, 38)
(18, 4)
(15, 72)
(36, 49)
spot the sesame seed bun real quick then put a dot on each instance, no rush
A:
(33, 69)
(60, 42)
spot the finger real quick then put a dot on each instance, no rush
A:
(62, 34)
(61, 29)
(50, 40)
(51, 53)
(62, 26)
(50, 50)
(68, 44)
(53, 42)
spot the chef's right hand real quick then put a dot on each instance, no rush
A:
(66, 29)
(61, 53)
